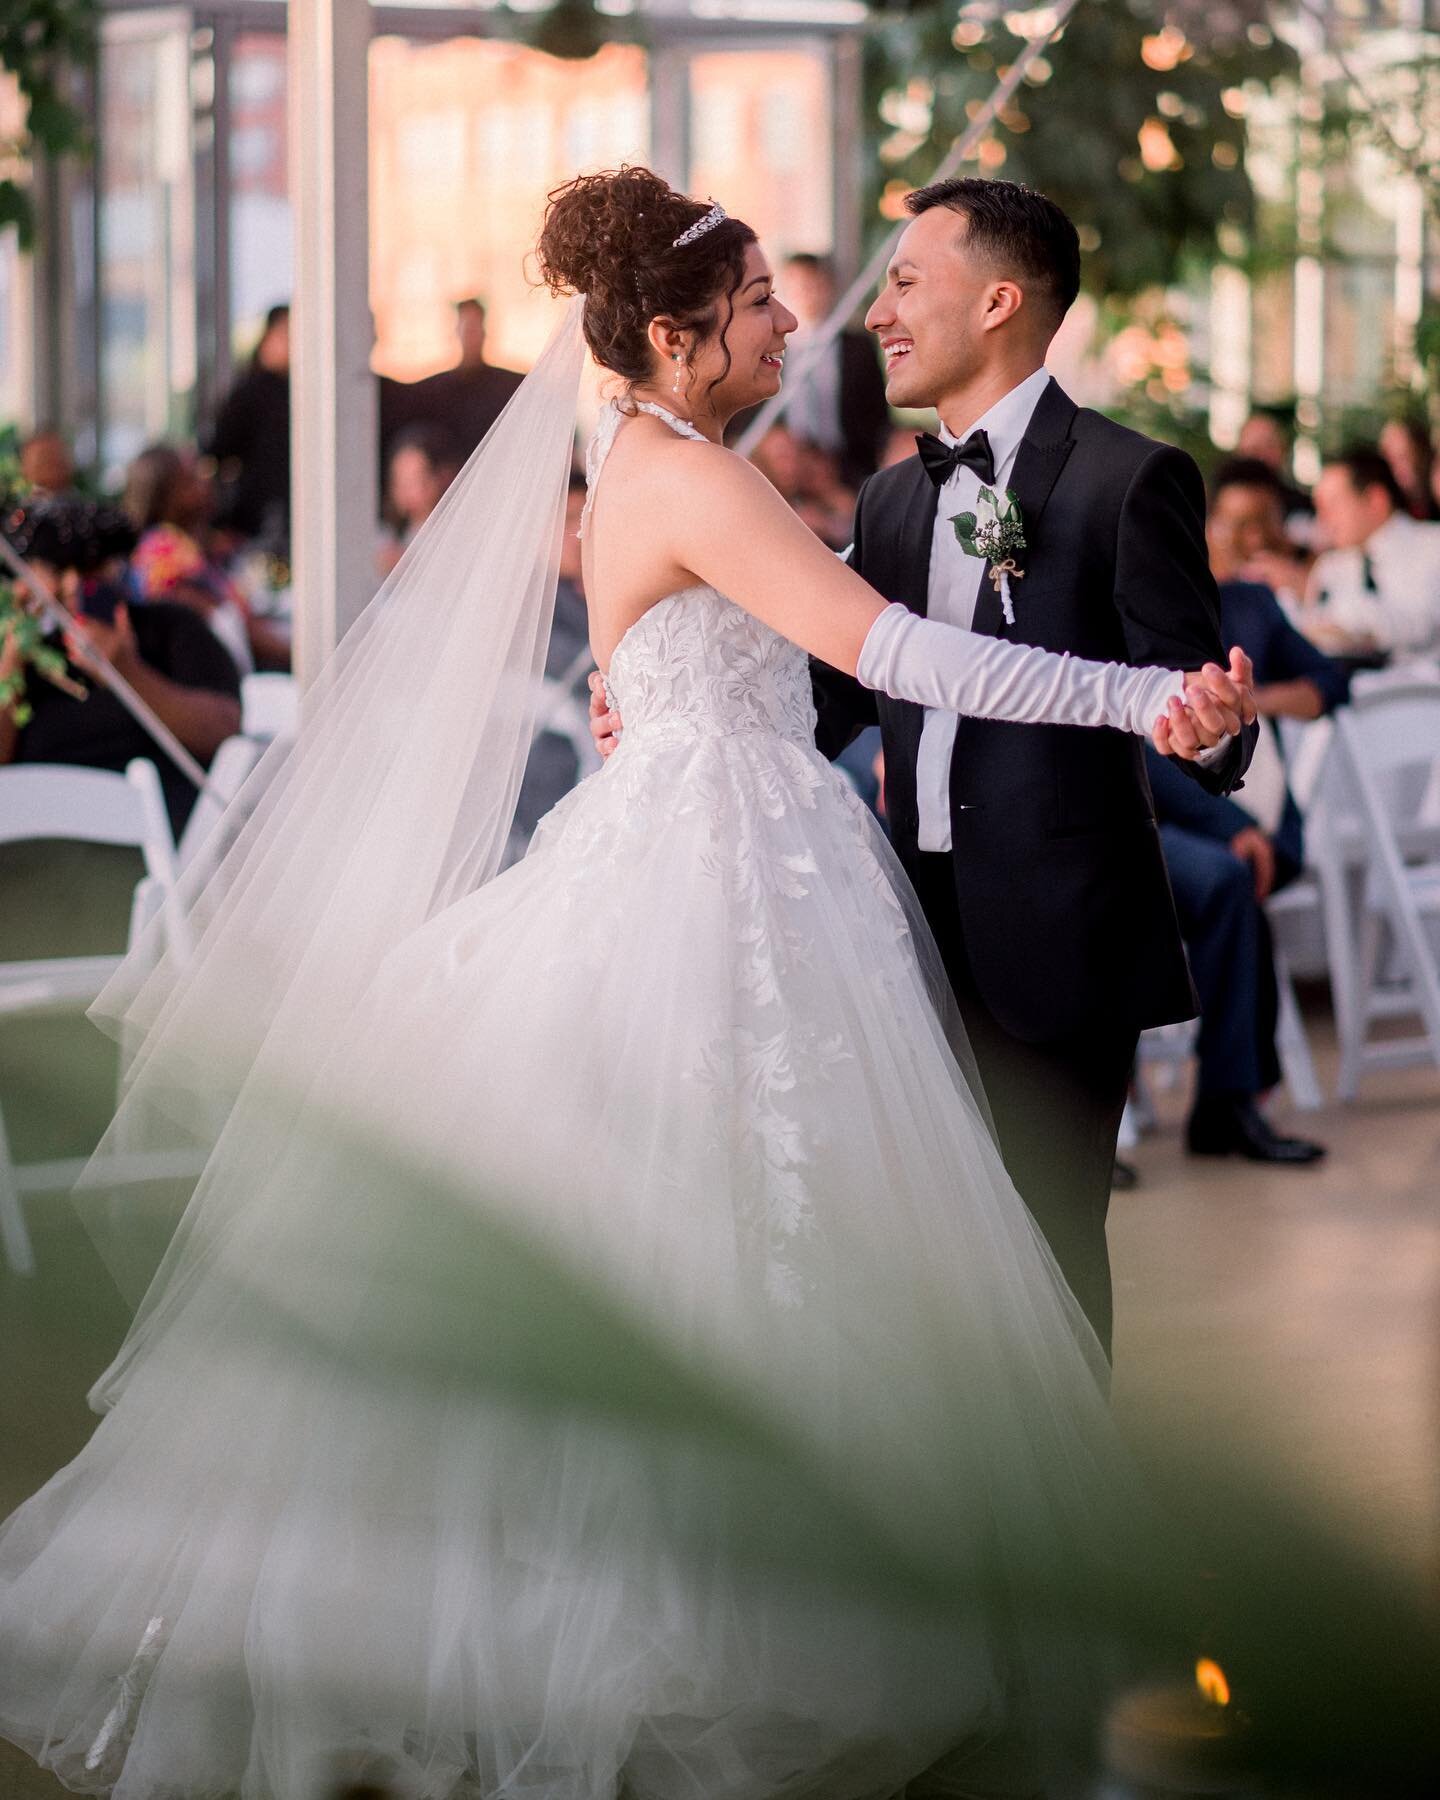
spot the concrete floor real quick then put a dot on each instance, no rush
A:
(1287, 1317)
(1294, 1314)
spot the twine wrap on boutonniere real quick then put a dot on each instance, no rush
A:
(995, 532)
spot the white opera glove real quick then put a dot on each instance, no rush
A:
(946, 667)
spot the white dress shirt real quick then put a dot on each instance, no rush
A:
(1400, 605)
(955, 587)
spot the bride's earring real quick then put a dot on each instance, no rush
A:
(679, 361)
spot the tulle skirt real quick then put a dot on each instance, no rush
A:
(619, 1366)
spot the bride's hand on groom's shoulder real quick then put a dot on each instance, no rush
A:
(604, 722)
(1218, 703)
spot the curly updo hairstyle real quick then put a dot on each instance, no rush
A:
(611, 237)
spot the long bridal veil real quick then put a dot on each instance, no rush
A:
(395, 798)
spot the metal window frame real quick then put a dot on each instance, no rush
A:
(68, 378)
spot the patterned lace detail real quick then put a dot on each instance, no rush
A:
(719, 742)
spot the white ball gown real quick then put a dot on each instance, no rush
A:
(382, 1491)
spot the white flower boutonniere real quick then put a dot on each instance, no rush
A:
(995, 532)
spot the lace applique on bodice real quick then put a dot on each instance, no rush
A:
(695, 661)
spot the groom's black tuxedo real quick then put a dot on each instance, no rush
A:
(1054, 913)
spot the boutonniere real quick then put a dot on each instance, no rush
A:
(995, 532)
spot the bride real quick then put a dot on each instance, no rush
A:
(602, 1353)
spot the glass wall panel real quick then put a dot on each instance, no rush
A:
(467, 136)
(259, 201)
(761, 141)
(145, 181)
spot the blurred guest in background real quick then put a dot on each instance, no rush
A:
(1405, 445)
(830, 500)
(46, 465)
(809, 479)
(251, 441)
(166, 653)
(423, 461)
(898, 445)
(840, 404)
(1376, 587)
(1247, 529)
(170, 501)
(1267, 437)
(466, 400)
(1226, 856)
(563, 749)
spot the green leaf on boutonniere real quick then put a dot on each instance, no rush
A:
(964, 524)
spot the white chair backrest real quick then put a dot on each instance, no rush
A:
(234, 760)
(92, 806)
(269, 705)
(1395, 732)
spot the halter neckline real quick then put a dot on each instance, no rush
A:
(610, 421)
(683, 426)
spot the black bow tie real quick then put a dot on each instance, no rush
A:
(942, 460)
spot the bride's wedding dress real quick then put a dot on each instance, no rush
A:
(686, 1055)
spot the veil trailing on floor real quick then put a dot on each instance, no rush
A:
(394, 799)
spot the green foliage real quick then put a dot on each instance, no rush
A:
(40, 41)
(1124, 121)
(12, 483)
(20, 628)
(571, 29)
(1427, 343)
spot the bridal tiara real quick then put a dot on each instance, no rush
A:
(714, 217)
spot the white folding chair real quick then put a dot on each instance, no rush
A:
(1389, 745)
(1292, 1041)
(227, 773)
(269, 705)
(52, 800)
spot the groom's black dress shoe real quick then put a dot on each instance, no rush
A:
(1232, 1125)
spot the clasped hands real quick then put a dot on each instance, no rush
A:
(1217, 703)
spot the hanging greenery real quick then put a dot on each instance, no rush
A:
(40, 42)
(1132, 120)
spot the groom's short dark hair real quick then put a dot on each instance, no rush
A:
(1021, 229)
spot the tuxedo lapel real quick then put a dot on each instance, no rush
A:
(917, 529)
(1042, 455)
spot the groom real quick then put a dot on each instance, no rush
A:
(1033, 847)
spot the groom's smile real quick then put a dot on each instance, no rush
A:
(953, 321)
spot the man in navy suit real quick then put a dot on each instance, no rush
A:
(1226, 855)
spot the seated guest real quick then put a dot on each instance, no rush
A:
(1247, 511)
(1266, 437)
(170, 502)
(829, 503)
(1377, 586)
(423, 461)
(1226, 856)
(563, 749)
(808, 479)
(46, 465)
(166, 653)
(1405, 445)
